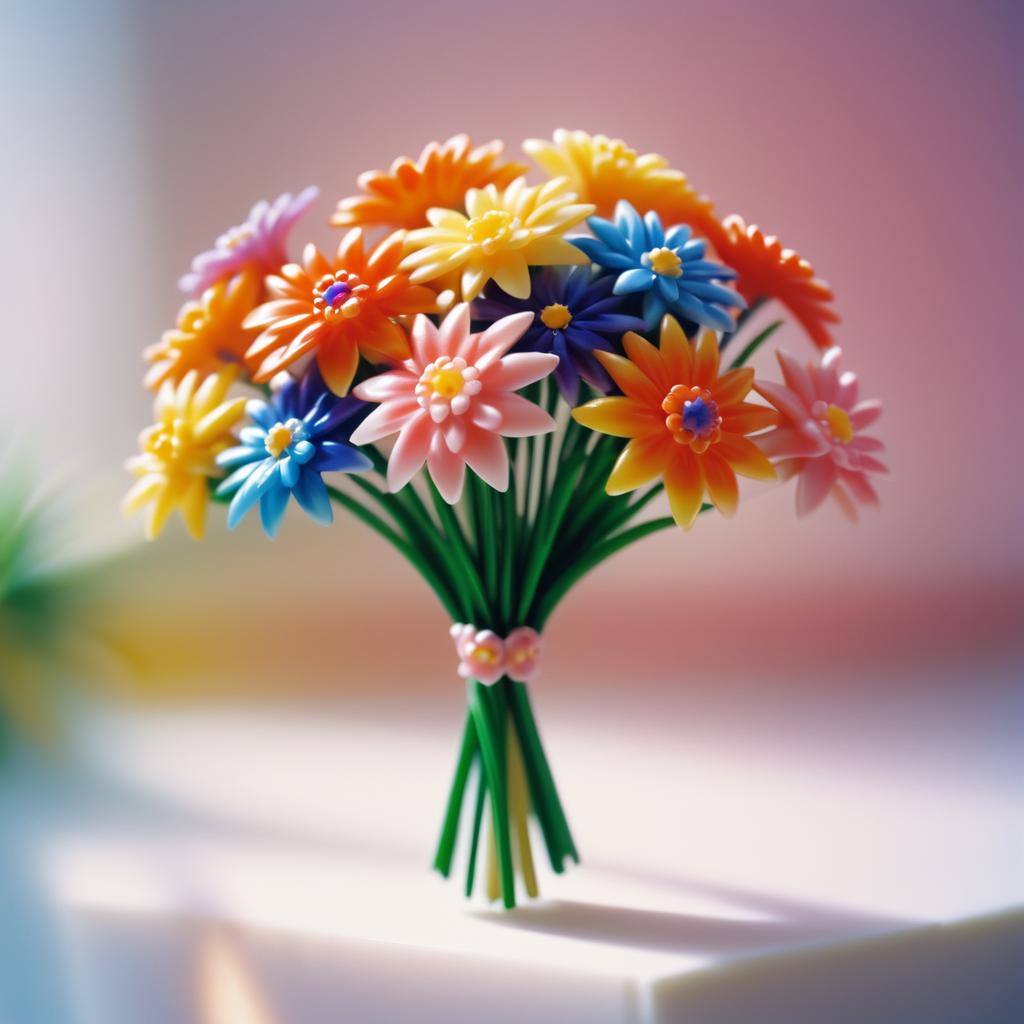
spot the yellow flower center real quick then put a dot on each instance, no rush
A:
(484, 654)
(664, 261)
(173, 442)
(279, 437)
(492, 229)
(839, 421)
(620, 153)
(446, 381)
(555, 317)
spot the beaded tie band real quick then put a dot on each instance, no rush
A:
(484, 656)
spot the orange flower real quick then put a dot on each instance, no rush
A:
(209, 334)
(603, 171)
(686, 423)
(441, 177)
(767, 270)
(338, 310)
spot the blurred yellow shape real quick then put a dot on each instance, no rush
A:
(228, 993)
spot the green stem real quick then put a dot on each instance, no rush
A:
(450, 829)
(754, 345)
(478, 819)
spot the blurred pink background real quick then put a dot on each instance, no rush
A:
(880, 140)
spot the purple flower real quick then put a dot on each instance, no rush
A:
(574, 315)
(260, 243)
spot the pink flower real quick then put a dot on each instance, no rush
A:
(522, 654)
(819, 439)
(481, 653)
(454, 400)
(260, 243)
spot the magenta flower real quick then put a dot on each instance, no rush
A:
(260, 243)
(820, 439)
(454, 401)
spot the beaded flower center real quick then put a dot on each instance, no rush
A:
(521, 655)
(281, 437)
(447, 386)
(692, 417)
(664, 261)
(836, 419)
(339, 295)
(492, 229)
(555, 317)
(621, 155)
(173, 442)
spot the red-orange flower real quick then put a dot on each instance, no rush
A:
(767, 270)
(337, 309)
(686, 423)
(441, 177)
(209, 334)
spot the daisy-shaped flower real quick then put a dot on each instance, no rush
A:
(441, 177)
(820, 439)
(259, 244)
(337, 309)
(501, 235)
(209, 334)
(301, 433)
(768, 271)
(575, 314)
(602, 171)
(686, 423)
(454, 401)
(179, 452)
(666, 267)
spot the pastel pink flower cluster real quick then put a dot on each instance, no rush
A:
(820, 440)
(484, 656)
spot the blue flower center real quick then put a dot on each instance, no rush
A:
(699, 416)
(337, 293)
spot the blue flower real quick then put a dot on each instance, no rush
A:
(299, 434)
(667, 266)
(574, 315)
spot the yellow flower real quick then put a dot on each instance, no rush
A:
(602, 171)
(209, 333)
(501, 235)
(178, 453)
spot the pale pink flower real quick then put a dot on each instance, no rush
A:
(522, 654)
(481, 653)
(454, 401)
(259, 244)
(820, 438)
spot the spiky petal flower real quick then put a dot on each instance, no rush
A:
(179, 452)
(501, 235)
(209, 334)
(686, 423)
(454, 401)
(602, 171)
(820, 440)
(768, 271)
(300, 434)
(441, 177)
(337, 309)
(575, 314)
(259, 244)
(666, 267)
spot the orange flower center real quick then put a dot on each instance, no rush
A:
(692, 417)
(555, 317)
(339, 296)
(492, 229)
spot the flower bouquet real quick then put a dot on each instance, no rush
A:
(579, 344)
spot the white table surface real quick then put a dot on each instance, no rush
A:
(271, 867)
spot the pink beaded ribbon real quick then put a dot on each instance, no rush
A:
(484, 656)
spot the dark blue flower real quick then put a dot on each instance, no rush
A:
(574, 315)
(300, 433)
(666, 266)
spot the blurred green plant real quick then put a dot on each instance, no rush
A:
(45, 642)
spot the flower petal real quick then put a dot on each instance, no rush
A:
(387, 418)
(721, 483)
(745, 457)
(684, 485)
(814, 484)
(640, 462)
(619, 416)
(486, 455)
(520, 418)
(447, 470)
(410, 451)
(519, 369)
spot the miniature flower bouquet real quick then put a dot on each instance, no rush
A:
(579, 345)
